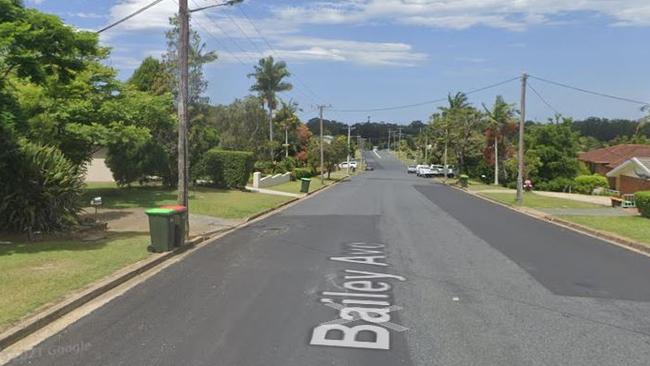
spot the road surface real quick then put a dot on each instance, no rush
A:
(384, 269)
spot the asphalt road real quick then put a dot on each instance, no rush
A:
(398, 270)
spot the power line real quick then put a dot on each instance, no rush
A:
(249, 55)
(542, 99)
(268, 44)
(591, 92)
(434, 101)
(129, 16)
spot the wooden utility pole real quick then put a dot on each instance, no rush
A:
(183, 98)
(322, 154)
(399, 144)
(520, 152)
(286, 141)
(389, 139)
(348, 166)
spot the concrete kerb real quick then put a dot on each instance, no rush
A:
(613, 239)
(41, 319)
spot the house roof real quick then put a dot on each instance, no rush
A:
(614, 156)
(641, 167)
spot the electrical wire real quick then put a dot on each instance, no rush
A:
(268, 44)
(153, 3)
(434, 101)
(530, 86)
(604, 95)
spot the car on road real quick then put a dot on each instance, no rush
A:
(344, 165)
(369, 167)
(411, 169)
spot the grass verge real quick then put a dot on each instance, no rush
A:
(532, 200)
(37, 273)
(227, 204)
(636, 228)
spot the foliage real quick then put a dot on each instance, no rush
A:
(241, 125)
(604, 130)
(227, 169)
(152, 76)
(44, 192)
(151, 149)
(269, 76)
(300, 173)
(559, 184)
(197, 58)
(643, 203)
(556, 146)
(500, 132)
(586, 184)
(333, 153)
(286, 165)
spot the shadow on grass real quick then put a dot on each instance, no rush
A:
(130, 197)
(22, 247)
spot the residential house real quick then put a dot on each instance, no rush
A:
(602, 161)
(632, 175)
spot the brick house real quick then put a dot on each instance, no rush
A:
(602, 161)
(631, 176)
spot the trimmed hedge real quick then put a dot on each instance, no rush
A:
(227, 169)
(586, 184)
(643, 203)
(303, 173)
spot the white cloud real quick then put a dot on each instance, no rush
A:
(244, 43)
(461, 14)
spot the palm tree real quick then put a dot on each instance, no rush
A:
(268, 81)
(457, 104)
(498, 118)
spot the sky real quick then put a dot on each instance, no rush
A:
(364, 55)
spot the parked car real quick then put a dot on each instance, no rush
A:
(437, 169)
(369, 167)
(344, 165)
(424, 171)
(418, 167)
(411, 169)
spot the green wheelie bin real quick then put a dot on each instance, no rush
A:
(162, 229)
(304, 185)
(180, 218)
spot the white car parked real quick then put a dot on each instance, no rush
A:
(344, 165)
(424, 171)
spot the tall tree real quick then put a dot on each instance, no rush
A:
(269, 76)
(198, 57)
(500, 121)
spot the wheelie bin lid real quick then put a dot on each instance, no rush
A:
(305, 179)
(176, 208)
(160, 212)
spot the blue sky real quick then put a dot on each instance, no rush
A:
(365, 54)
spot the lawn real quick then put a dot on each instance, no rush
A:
(533, 200)
(633, 227)
(228, 204)
(37, 273)
(478, 186)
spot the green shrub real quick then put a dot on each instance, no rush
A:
(299, 173)
(43, 191)
(265, 167)
(585, 184)
(555, 185)
(227, 169)
(643, 203)
(286, 165)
